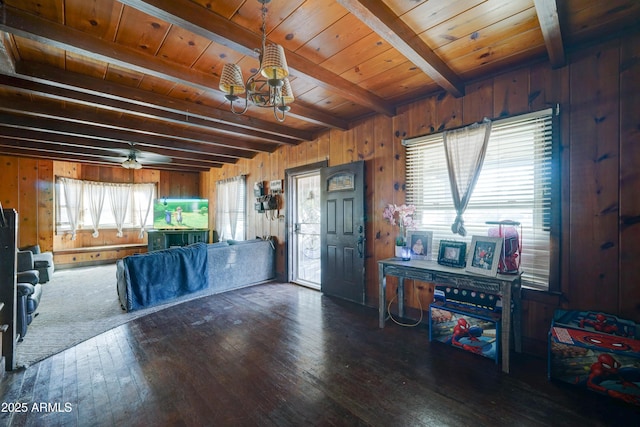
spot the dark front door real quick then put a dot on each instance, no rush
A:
(342, 238)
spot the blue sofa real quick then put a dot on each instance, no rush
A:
(235, 264)
(159, 276)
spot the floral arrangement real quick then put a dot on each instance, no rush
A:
(402, 217)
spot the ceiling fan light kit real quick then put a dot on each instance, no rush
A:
(132, 163)
(269, 87)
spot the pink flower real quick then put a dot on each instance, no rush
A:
(400, 215)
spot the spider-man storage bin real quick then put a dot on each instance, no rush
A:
(594, 356)
(473, 329)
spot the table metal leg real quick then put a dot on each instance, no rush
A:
(517, 319)
(401, 297)
(382, 292)
(506, 326)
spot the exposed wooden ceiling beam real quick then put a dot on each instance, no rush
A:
(51, 33)
(381, 19)
(75, 114)
(198, 20)
(61, 126)
(547, 11)
(33, 86)
(52, 154)
(222, 121)
(109, 147)
(99, 154)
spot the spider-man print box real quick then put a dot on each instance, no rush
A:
(597, 351)
(469, 328)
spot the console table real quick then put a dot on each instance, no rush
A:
(163, 239)
(505, 286)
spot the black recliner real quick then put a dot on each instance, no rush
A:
(29, 291)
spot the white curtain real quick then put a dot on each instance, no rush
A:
(95, 193)
(73, 197)
(465, 149)
(229, 206)
(119, 197)
(144, 193)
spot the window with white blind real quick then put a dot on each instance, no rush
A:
(515, 184)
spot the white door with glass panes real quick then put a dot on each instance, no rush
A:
(305, 240)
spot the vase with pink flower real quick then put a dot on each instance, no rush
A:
(402, 216)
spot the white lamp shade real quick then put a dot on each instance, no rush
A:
(231, 79)
(274, 63)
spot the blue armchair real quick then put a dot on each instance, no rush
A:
(29, 292)
(42, 261)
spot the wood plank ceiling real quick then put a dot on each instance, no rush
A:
(83, 80)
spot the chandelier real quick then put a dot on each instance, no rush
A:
(268, 87)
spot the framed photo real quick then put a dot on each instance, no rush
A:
(420, 244)
(452, 253)
(484, 255)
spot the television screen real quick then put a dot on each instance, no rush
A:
(181, 214)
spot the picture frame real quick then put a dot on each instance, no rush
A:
(452, 253)
(420, 243)
(484, 255)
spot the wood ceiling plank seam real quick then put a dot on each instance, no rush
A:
(381, 19)
(324, 78)
(249, 14)
(356, 54)
(432, 13)
(240, 39)
(513, 46)
(305, 23)
(142, 32)
(378, 65)
(524, 21)
(471, 20)
(313, 49)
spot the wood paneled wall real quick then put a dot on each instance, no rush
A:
(28, 187)
(599, 98)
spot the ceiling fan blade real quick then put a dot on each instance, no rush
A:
(149, 157)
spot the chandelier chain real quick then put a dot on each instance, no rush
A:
(264, 26)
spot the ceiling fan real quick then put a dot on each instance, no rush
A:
(135, 159)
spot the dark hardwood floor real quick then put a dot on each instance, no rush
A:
(279, 354)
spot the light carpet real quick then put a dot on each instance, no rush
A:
(78, 304)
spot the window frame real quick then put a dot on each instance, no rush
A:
(553, 220)
(84, 224)
(223, 211)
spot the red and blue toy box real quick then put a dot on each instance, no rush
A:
(597, 351)
(469, 328)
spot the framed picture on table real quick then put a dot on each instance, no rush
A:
(420, 244)
(484, 255)
(452, 253)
